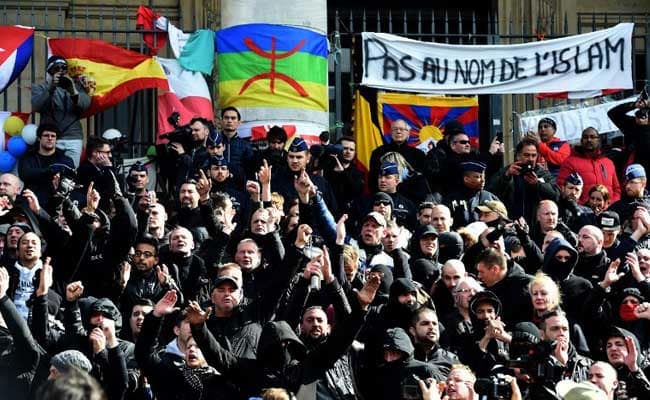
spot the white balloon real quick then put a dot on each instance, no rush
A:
(29, 134)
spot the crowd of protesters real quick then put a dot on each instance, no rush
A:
(281, 272)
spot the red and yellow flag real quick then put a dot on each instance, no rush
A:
(109, 73)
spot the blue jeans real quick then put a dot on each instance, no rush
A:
(72, 149)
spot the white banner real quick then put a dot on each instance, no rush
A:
(571, 122)
(591, 61)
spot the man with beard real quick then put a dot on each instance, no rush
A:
(571, 213)
(452, 272)
(195, 207)
(523, 184)
(464, 202)
(274, 154)
(223, 181)
(24, 272)
(592, 261)
(594, 167)
(425, 333)
(634, 192)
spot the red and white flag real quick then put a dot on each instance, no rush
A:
(150, 20)
(584, 94)
(188, 95)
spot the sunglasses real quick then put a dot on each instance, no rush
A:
(462, 141)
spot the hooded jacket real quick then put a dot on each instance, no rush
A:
(637, 384)
(574, 289)
(594, 168)
(389, 380)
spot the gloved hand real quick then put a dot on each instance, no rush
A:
(66, 83)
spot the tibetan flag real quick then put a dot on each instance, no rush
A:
(188, 95)
(273, 72)
(109, 73)
(427, 115)
(16, 45)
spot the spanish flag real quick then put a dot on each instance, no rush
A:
(109, 73)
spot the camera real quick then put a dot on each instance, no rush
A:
(527, 168)
(411, 388)
(533, 359)
(322, 155)
(181, 134)
(67, 181)
(493, 387)
(498, 232)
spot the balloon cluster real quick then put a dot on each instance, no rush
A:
(22, 136)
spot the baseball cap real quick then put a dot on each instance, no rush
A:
(494, 205)
(608, 221)
(634, 171)
(426, 230)
(226, 278)
(377, 217)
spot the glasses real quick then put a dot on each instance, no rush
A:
(145, 254)
(103, 151)
(462, 141)
(462, 290)
(382, 203)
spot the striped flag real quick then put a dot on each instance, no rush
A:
(16, 45)
(188, 95)
(109, 73)
(274, 73)
(584, 94)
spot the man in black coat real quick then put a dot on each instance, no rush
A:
(400, 132)
(636, 130)
(510, 285)
(36, 167)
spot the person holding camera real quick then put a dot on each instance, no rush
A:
(522, 184)
(635, 130)
(61, 100)
(460, 385)
(592, 165)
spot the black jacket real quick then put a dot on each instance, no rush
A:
(34, 170)
(390, 380)
(170, 377)
(574, 289)
(287, 366)
(512, 290)
(20, 355)
(637, 137)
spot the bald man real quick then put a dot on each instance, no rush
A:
(452, 272)
(605, 377)
(592, 260)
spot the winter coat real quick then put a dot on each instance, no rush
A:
(595, 169)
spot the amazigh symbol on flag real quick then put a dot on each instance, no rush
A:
(273, 74)
(16, 45)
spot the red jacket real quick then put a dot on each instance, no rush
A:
(595, 169)
(553, 154)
